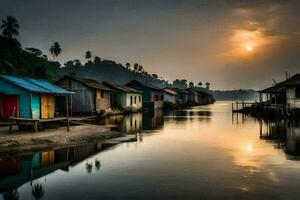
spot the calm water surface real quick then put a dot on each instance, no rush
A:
(198, 153)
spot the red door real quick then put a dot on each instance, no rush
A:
(10, 106)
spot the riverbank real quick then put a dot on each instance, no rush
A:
(81, 134)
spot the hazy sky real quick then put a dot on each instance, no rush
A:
(230, 43)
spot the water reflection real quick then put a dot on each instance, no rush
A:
(135, 123)
(284, 134)
(181, 154)
(19, 169)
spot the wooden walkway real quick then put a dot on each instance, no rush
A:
(240, 105)
(34, 122)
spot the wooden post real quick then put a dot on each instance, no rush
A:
(71, 106)
(67, 106)
(10, 126)
(35, 124)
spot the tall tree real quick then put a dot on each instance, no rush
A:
(55, 50)
(10, 27)
(97, 60)
(88, 55)
(127, 65)
(135, 67)
(140, 68)
(191, 84)
(200, 84)
(207, 85)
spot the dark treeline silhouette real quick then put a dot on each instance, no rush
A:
(235, 95)
(15, 60)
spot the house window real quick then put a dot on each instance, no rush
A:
(140, 99)
(298, 91)
(102, 94)
(161, 97)
(156, 97)
(131, 100)
(135, 100)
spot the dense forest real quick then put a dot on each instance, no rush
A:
(16, 60)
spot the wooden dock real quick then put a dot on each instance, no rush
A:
(35, 122)
(239, 106)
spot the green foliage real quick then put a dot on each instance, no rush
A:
(10, 27)
(30, 62)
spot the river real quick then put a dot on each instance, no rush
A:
(203, 152)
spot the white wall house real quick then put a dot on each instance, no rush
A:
(126, 98)
(286, 93)
(293, 96)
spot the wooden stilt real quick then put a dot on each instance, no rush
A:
(10, 126)
(67, 106)
(35, 124)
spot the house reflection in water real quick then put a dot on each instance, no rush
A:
(20, 169)
(285, 134)
(135, 123)
(293, 138)
(131, 124)
(152, 120)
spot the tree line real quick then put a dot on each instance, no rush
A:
(32, 62)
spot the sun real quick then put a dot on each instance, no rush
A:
(249, 48)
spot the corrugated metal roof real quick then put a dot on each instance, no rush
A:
(35, 85)
(294, 80)
(88, 82)
(122, 88)
(170, 91)
(143, 84)
(281, 87)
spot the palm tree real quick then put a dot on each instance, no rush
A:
(207, 85)
(135, 67)
(128, 65)
(200, 84)
(11, 195)
(97, 164)
(97, 59)
(55, 50)
(140, 69)
(10, 27)
(89, 167)
(38, 191)
(88, 55)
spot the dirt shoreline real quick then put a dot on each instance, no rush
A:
(78, 135)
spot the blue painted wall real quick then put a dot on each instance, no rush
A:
(35, 105)
(24, 105)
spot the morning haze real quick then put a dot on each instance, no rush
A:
(230, 43)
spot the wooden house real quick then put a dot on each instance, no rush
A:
(204, 98)
(193, 97)
(182, 96)
(152, 95)
(292, 86)
(89, 96)
(28, 98)
(283, 94)
(126, 98)
(169, 96)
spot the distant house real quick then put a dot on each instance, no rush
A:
(181, 97)
(126, 98)
(152, 95)
(169, 96)
(193, 97)
(283, 94)
(28, 98)
(89, 96)
(205, 98)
